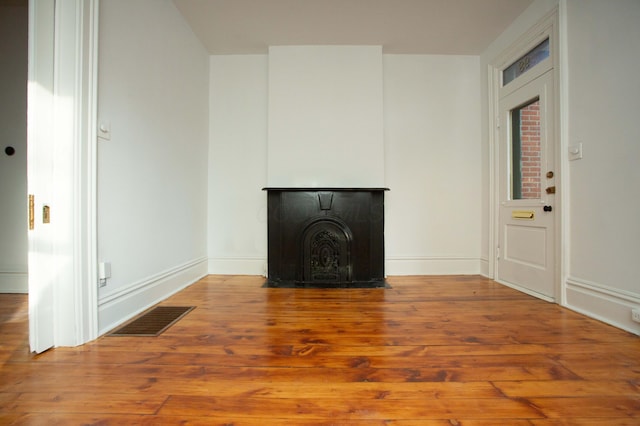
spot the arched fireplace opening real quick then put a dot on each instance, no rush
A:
(326, 252)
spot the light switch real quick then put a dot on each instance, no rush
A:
(575, 151)
(104, 130)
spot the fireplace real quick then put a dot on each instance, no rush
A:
(325, 237)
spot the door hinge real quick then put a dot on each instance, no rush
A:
(497, 122)
(498, 253)
(32, 205)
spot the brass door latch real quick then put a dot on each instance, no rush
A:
(46, 214)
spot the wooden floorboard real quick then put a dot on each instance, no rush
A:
(441, 350)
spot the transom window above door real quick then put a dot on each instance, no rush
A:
(526, 62)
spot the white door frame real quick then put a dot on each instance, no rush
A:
(547, 26)
(62, 103)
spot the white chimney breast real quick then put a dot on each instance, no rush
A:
(325, 116)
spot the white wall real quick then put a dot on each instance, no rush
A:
(152, 174)
(325, 117)
(237, 234)
(432, 162)
(603, 109)
(13, 132)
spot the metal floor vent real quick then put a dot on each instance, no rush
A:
(153, 322)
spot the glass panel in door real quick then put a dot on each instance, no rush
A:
(525, 151)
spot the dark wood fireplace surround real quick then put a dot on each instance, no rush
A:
(326, 237)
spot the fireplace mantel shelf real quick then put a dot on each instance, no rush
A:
(302, 188)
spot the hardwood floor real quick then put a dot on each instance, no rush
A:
(429, 351)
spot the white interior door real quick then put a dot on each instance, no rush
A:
(526, 235)
(40, 172)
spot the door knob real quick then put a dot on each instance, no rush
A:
(547, 208)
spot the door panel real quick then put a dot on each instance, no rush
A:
(526, 164)
(525, 254)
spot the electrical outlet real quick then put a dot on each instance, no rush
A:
(635, 315)
(104, 273)
(104, 270)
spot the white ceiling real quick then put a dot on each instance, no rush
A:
(461, 27)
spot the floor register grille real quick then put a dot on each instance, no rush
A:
(153, 322)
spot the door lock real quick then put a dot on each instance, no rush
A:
(547, 208)
(551, 190)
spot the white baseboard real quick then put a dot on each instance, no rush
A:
(484, 268)
(432, 266)
(238, 265)
(603, 303)
(14, 282)
(393, 266)
(125, 304)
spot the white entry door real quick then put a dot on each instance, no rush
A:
(526, 235)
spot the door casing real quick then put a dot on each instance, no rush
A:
(61, 171)
(547, 27)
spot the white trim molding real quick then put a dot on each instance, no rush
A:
(118, 307)
(395, 265)
(238, 266)
(604, 303)
(14, 282)
(486, 270)
(75, 101)
(425, 265)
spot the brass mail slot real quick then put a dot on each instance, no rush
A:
(522, 214)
